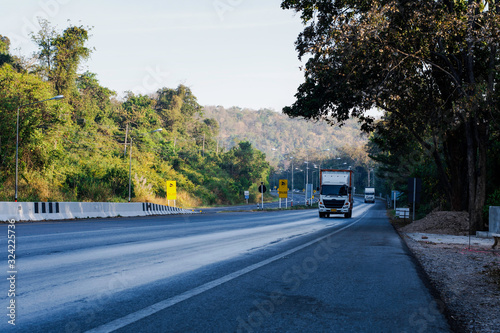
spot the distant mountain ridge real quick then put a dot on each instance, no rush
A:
(276, 134)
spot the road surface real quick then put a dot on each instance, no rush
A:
(298, 199)
(285, 271)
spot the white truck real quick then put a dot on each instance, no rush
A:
(335, 192)
(369, 194)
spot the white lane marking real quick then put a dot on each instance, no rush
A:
(162, 305)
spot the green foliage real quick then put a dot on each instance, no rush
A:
(432, 66)
(246, 166)
(92, 98)
(276, 135)
(81, 148)
(177, 107)
(21, 90)
(5, 56)
(280, 137)
(492, 200)
(61, 54)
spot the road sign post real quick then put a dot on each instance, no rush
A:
(309, 188)
(171, 191)
(414, 192)
(262, 190)
(283, 190)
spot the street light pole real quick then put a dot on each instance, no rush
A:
(17, 138)
(292, 179)
(307, 177)
(130, 172)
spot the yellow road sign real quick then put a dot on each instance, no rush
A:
(171, 190)
(283, 188)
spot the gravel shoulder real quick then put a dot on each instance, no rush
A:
(467, 277)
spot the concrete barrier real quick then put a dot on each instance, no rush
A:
(494, 224)
(494, 220)
(39, 211)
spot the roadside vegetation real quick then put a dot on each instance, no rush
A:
(78, 148)
(283, 139)
(432, 68)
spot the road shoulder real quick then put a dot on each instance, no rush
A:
(467, 277)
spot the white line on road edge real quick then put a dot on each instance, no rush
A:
(157, 307)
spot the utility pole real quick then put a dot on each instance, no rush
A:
(292, 180)
(126, 138)
(414, 196)
(307, 176)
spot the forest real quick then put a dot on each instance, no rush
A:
(88, 145)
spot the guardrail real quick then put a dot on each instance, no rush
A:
(39, 211)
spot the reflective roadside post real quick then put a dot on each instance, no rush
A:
(17, 137)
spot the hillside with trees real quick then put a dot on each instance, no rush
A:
(90, 144)
(275, 134)
(80, 148)
(281, 138)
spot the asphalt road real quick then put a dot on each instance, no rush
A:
(298, 199)
(285, 271)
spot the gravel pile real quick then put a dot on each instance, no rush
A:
(468, 280)
(447, 223)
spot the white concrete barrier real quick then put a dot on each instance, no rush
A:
(494, 220)
(39, 211)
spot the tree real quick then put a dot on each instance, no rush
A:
(70, 51)
(45, 39)
(17, 89)
(432, 64)
(61, 54)
(62, 161)
(5, 56)
(93, 99)
(138, 111)
(246, 165)
(177, 107)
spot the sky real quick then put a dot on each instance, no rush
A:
(228, 52)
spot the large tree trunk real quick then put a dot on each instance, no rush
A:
(455, 152)
(481, 132)
(476, 133)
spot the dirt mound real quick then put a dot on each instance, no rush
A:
(449, 223)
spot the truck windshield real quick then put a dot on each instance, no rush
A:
(333, 190)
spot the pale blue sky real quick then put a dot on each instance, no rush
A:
(229, 52)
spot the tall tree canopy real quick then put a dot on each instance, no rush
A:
(60, 54)
(433, 66)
